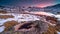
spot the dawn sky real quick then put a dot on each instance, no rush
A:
(38, 3)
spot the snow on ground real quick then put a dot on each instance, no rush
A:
(2, 28)
(58, 32)
(24, 17)
(58, 16)
(46, 13)
(17, 17)
(42, 13)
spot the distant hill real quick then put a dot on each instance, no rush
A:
(53, 9)
(2, 6)
(34, 9)
(54, 6)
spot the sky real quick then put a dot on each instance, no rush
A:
(38, 3)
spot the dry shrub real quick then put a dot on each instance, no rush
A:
(9, 24)
(51, 30)
(3, 11)
(6, 16)
(53, 20)
(38, 27)
(58, 26)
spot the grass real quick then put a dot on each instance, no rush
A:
(3, 11)
(6, 16)
(9, 25)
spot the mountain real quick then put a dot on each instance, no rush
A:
(34, 9)
(2, 6)
(53, 9)
(54, 6)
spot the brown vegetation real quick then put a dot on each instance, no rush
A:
(3, 11)
(51, 30)
(52, 19)
(10, 24)
(35, 27)
(39, 27)
(57, 27)
(6, 16)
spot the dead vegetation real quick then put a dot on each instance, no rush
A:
(51, 30)
(37, 27)
(58, 26)
(6, 16)
(10, 24)
(40, 27)
(3, 11)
